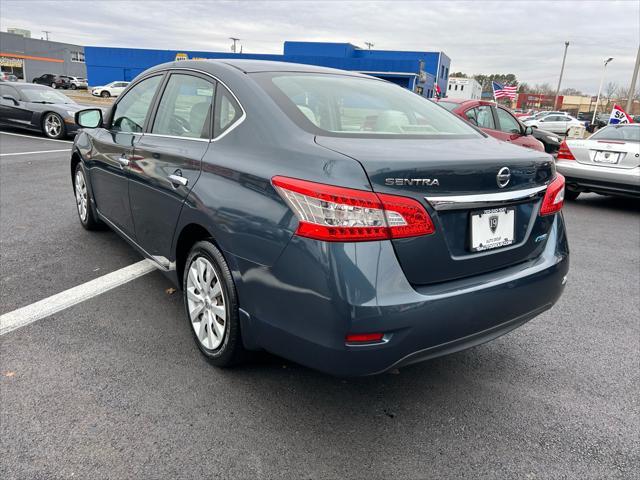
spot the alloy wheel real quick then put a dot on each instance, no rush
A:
(81, 195)
(206, 303)
(53, 125)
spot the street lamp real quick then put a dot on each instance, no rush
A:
(604, 70)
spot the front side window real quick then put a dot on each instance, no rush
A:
(341, 105)
(508, 124)
(185, 108)
(131, 111)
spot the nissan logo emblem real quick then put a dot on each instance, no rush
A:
(503, 177)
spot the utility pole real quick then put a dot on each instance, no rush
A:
(604, 70)
(46, 34)
(369, 45)
(632, 88)
(233, 47)
(564, 58)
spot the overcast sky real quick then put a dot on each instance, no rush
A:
(526, 38)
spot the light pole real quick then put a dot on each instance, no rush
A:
(234, 40)
(634, 78)
(555, 101)
(604, 70)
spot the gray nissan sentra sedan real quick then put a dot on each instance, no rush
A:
(328, 217)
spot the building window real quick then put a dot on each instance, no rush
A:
(449, 86)
(77, 57)
(446, 72)
(441, 71)
(461, 87)
(456, 89)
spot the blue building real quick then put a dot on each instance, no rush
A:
(417, 71)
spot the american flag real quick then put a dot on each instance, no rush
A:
(504, 91)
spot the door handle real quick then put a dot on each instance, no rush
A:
(177, 180)
(123, 161)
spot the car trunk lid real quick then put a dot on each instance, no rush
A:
(455, 179)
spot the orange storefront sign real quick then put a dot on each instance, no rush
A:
(31, 57)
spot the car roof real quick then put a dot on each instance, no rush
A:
(20, 85)
(253, 66)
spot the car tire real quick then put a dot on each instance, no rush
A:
(105, 94)
(53, 126)
(86, 215)
(73, 87)
(211, 306)
(570, 194)
(54, 85)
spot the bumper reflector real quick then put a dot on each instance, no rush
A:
(363, 337)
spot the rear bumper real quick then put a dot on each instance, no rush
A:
(602, 179)
(303, 306)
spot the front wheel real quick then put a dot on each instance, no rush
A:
(53, 126)
(54, 85)
(73, 86)
(85, 212)
(211, 305)
(105, 94)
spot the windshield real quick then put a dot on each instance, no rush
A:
(340, 105)
(626, 133)
(47, 95)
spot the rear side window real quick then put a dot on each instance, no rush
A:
(185, 107)
(482, 117)
(131, 111)
(349, 106)
(227, 113)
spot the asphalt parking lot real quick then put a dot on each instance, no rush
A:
(114, 387)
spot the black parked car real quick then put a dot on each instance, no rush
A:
(37, 108)
(53, 81)
(550, 140)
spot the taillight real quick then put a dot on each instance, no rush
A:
(564, 152)
(363, 337)
(554, 197)
(338, 214)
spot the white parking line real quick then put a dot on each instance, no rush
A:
(63, 300)
(34, 153)
(35, 138)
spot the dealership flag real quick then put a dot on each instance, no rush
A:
(504, 91)
(618, 115)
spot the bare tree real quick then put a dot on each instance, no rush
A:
(610, 90)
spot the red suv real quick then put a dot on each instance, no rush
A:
(494, 120)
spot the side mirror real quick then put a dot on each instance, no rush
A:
(528, 131)
(10, 99)
(90, 118)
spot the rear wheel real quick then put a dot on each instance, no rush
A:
(53, 125)
(73, 86)
(211, 305)
(85, 212)
(54, 85)
(105, 94)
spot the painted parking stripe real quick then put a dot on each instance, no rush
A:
(63, 300)
(34, 153)
(35, 138)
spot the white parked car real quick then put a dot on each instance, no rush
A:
(77, 82)
(608, 162)
(112, 89)
(556, 123)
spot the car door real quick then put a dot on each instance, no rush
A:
(113, 152)
(12, 109)
(167, 159)
(513, 131)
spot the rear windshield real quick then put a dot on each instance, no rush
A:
(341, 105)
(625, 133)
(449, 105)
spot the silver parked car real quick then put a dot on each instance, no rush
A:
(608, 162)
(556, 123)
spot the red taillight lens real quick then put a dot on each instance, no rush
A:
(339, 214)
(554, 197)
(564, 152)
(363, 337)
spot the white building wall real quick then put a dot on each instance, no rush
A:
(464, 88)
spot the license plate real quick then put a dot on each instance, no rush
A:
(606, 157)
(492, 228)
